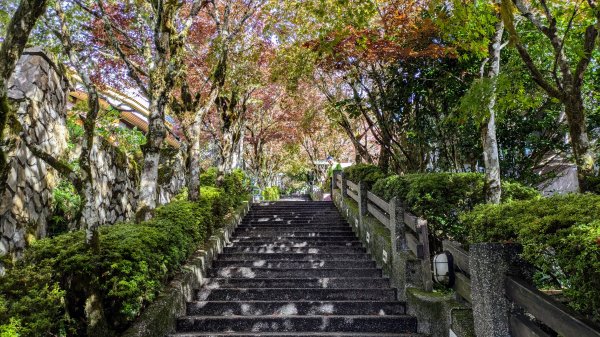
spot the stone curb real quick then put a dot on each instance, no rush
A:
(160, 317)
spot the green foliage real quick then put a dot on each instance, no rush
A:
(560, 236)
(233, 190)
(369, 174)
(209, 177)
(270, 193)
(66, 205)
(442, 197)
(45, 292)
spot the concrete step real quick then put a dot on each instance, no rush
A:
(306, 228)
(278, 308)
(293, 231)
(295, 234)
(245, 272)
(287, 249)
(295, 294)
(329, 283)
(281, 239)
(294, 334)
(271, 263)
(296, 242)
(297, 223)
(333, 323)
(295, 227)
(293, 256)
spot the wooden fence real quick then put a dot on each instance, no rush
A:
(529, 300)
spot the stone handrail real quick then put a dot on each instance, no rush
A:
(411, 231)
(503, 302)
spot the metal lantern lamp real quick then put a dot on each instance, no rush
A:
(443, 268)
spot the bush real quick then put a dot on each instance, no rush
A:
(442, 197)
(209, 177)
(45, 293)
(270, 193)
(560, 236)
(367, 173)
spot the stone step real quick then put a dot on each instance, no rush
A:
(290, 228)
(300, 250)
(259, 308)
(286, 227)
(296, 294)
(296, 242)
(293, 256)
(294, 334)
(245, 272)
(329, 283)
(316, 264)
(333, 323)
(280, 238)
(295, 222)
(293, 230)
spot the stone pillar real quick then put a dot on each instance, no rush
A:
(344, 191)
(489, 264)
(399, 248)
(334, 175)
(397, 231)
(38, 91)
(362, 199)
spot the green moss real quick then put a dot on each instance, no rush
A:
(428, 295)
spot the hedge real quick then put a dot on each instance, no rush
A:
(271, 193)
(367, 173)
(560, 237)
(45, 293)
(442, 197)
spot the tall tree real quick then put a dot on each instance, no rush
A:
(154, 59)
(570, 30)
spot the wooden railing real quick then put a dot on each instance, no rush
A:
(529, 300)
(412, 229)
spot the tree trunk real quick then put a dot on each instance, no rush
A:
(491, 160)
(194, 150)
(194, 161)
(580, 144)
(149, 177)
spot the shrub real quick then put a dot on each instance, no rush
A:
(442, 197)
(367, 173)
(270, 193)
(560, 236)
(45, 293)
(209, 177)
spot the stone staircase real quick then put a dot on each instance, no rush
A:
(295, 269)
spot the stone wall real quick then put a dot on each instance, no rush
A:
(115, 183)
(40, 92)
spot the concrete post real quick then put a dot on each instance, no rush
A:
(399, 248)
(489, 264)
(397, 230)
(362, 199)
(333, 180)
(344, 192)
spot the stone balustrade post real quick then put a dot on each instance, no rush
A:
(489, 264)
(334, 175)
(344, 190)
(362, 199)
(399, 248)
(397, 231)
